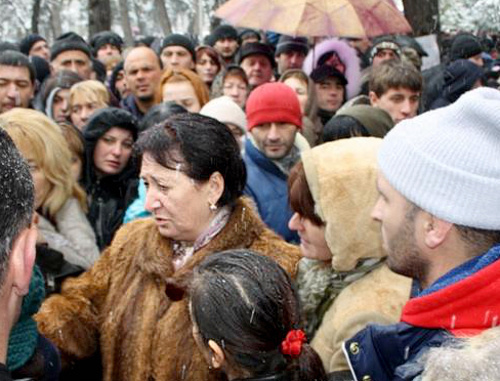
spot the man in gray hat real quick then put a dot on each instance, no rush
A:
(439, 185)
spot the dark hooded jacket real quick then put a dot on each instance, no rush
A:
(459, 77)
(108, 197)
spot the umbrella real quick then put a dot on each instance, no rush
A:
(317, 18)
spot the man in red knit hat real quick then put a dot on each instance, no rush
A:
(272, 149)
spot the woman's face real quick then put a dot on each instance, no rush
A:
(183, 94)
(179, 205)
(312, 238)
(236, 89)
(41, 183)
(112, 151)
(206, 68)
(300, 89)
(82, 109)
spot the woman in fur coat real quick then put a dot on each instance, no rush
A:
(194, 176)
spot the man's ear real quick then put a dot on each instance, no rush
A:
(22, 259)
(435, 230)
(217, 356)
(216, 187)
(373, 98)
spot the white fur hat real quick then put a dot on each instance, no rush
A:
(225, 110)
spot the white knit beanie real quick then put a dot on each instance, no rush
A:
(225, 110)
(447, 161)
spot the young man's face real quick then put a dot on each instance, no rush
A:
(291, 59)
(330, 94)
(226, 46)
(401, 103)
(398, 220)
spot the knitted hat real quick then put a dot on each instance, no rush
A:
(106, 37)
(247, 33)
(321, 73)
(376, 121)
(465, 46)
(385, 42)
(224, 31)
(225, 110)
(179, 40)
(273, 102)
(69, 41)
(28, 41)
(287, 44)
(446, 161)
(253, 48)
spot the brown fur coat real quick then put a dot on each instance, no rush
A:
(121, 306)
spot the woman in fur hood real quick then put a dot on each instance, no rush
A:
(343, 281)
(339, 54)
(194, 175)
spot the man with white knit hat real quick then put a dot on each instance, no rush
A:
(439, 211)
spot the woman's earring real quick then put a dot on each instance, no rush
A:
(213, 207)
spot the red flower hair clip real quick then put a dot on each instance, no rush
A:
(292, 345)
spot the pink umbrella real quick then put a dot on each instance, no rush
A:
(317, 18)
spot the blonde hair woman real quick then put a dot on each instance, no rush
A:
(59, 199)
(85, 98)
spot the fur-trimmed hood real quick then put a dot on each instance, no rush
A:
(342, 178)
(347, 55)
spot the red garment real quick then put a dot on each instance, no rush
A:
(465, 308)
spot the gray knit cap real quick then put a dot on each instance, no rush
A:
(447, 161)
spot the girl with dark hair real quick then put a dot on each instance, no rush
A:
(208, 63)
(194, 176)
(258, 338)
(110, 172)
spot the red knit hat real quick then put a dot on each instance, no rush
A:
(273, 102)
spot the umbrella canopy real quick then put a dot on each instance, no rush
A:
(317, 18)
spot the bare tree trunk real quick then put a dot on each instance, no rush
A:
(55, 18)
(140, 19)
(163, 19)
(125, 21)
(423, 16)
(35, 16)
(99, 16)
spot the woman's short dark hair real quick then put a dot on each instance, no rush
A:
(199, 146)
(264, 308)
(343, 127)
(235, 71)
(300, 196)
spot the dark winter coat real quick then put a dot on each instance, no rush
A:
(464, 302)
(120, 306)
(267, 185)
(128, 104)
(4, 373)
(459, 77)
(108, 197)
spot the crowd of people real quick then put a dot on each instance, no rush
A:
(253, 207)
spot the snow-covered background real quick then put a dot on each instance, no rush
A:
(64, 15)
